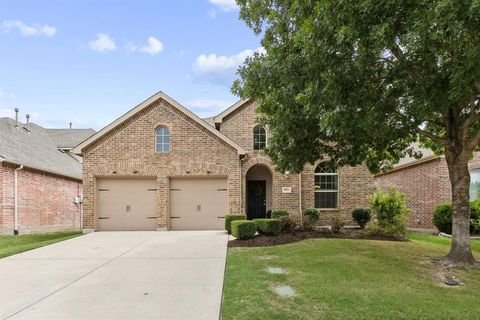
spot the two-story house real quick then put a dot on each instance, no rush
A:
(161, 167)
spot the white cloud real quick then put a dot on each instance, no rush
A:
(29, 30)
(208, 107)
(102, 43)
(153, 47)
(225, 5)
(221, 68)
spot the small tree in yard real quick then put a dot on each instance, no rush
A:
(359, 81)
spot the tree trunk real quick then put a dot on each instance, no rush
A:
(460, 252)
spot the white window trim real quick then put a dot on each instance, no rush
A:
(169, 140)
(327, 190)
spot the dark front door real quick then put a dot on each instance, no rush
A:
(257, 199)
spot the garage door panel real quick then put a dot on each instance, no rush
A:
(198, 204)
(126, 204)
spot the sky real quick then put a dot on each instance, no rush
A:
(89, 61)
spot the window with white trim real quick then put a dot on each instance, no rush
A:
(259, 138)
(162, 140)
(474, 184)
(326, 186)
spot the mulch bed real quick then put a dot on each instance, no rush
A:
(284, 238)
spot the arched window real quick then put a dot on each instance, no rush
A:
(474, 184)
(259, 138)
(162, 140)
(326, 186)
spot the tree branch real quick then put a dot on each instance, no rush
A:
(399, 55)
(430, 135)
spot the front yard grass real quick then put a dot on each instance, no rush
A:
(10, 244)
(349, 279)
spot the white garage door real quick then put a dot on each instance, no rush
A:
(126, 204)
(198, 204)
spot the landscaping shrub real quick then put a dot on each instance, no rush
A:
(229, 218)
(310, 217)
(390, 210)
(337, 223)
(278, 213)
(288, 225)
(442, 218)
(312, 213)
(244, 229)
(269, 227)
(361, 216)
(269, 214)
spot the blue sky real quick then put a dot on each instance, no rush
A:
(89, 61)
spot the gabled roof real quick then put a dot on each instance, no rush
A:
(232, 108)
(35, 149)
(159, 95)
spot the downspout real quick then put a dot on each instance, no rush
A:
(300, 197)
(15, 195)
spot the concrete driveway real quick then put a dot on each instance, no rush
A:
(117, 275)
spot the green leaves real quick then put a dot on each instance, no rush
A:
(354, 81)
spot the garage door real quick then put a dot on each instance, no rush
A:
(126, 204)
(198, 204)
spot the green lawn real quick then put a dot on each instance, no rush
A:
(10, 244)
(349, 279)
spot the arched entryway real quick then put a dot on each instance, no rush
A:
(259, 191)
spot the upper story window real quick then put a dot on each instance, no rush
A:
(474, 184)
(162, 140)
(259, 138)
(326, 186)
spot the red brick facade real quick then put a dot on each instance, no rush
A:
(426, 185)
(45, 201)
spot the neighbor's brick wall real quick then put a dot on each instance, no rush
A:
(194, 151)
(426, 184)
(355, 183)
(45, 201)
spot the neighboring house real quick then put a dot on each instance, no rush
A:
(426, 184)
(161, 167)
(39, 178)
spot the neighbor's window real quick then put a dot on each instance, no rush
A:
(326, 186)
(259, 138)
(162, 140)
(474, 185)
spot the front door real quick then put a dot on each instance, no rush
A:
(257, 199)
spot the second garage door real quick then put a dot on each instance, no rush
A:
(198, 204)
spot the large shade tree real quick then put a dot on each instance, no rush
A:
(359, 81)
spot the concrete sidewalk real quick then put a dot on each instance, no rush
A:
(117, 275)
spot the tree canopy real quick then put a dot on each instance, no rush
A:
(359, 81)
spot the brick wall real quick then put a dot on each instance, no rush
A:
(45, 201)
(426, 184)
(355, 183)
(129, 148)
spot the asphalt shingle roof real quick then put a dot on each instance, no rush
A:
(39, 149)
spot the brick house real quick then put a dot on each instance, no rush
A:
(39, 177)
(161, 167)
(426, 183)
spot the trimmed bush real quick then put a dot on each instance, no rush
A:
(229, 218)
(391, 210)
(269, 227)
(362, 216)
(244, 229)
(278, 213)
(337, 223)
(288, 224)
(442, 218)
(312, 213)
